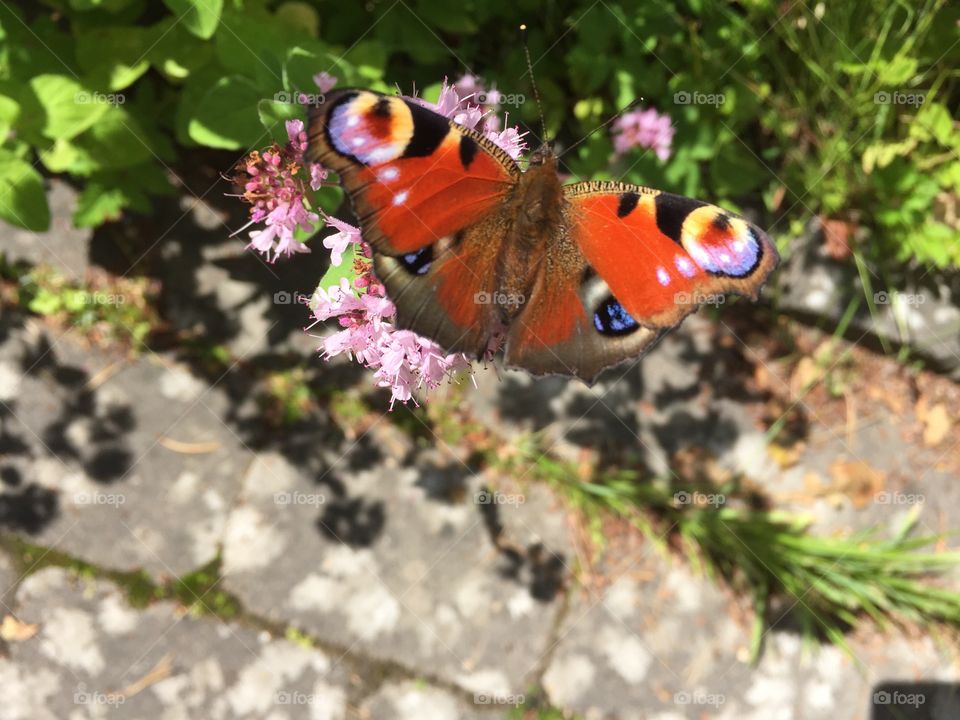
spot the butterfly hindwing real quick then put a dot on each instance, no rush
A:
(663, 255)
(428, 195)
(557, 332)
(441, 291)
(628, 264)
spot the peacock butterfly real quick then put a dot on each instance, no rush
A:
(578, 277)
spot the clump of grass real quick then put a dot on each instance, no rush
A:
(117, 309)
(198, 591)
(828, 584)
(288, 397)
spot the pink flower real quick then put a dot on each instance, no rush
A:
(450, 104)
(643, 128)
(274, 187)
(402, 360)
(325, 81)
(338, 242)
(510, 140)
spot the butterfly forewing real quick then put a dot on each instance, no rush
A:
(429, 196)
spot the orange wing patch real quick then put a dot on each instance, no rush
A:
(662, 255)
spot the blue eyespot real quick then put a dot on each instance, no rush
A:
(418, 262)
(612, 319)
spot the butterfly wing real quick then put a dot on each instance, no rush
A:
(428, 195)
(635, 262)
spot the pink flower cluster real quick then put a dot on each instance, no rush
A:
(454, 103)
(403, 361)
(273, 186)
(643, 128)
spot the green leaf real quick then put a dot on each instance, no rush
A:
(9, 111)
(226, 117)
(299, 16)
(934, 122)
(69, 108)
(369, 58)
(275, 113)
(176, 52)
(23, 201)
(113, 57)
(97, 204)
(200, 17)
(331, 278)
(446, 16)
(253, 47)
(108, 5)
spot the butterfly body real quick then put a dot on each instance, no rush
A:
(578, 277)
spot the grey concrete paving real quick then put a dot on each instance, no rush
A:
(95, 657)
(62, 246)
(125, 464)
(389, 566)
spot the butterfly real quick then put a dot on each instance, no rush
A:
(471, 248)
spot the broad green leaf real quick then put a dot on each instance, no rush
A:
(369, 58)
(446, 16)
(200, 17)
(23, 200)
(116, 141)
(108, 5)
(177, 53)
(299, 16)
(275, 113)
(879, 155)
(98, 204)
(253, 47)
(113, 57)
(69, 108)
(333, 275)
(933, 121)
(226, 117)
(9, 110)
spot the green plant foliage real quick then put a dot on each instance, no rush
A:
(841, 110)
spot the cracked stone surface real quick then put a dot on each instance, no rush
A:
(62, 246)
(95, 657)
(418, 701)
(8, 577)
(667, 648)
(384, 566)
(103, 452)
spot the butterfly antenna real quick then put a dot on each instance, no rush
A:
(601, 126)
(533, 82)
